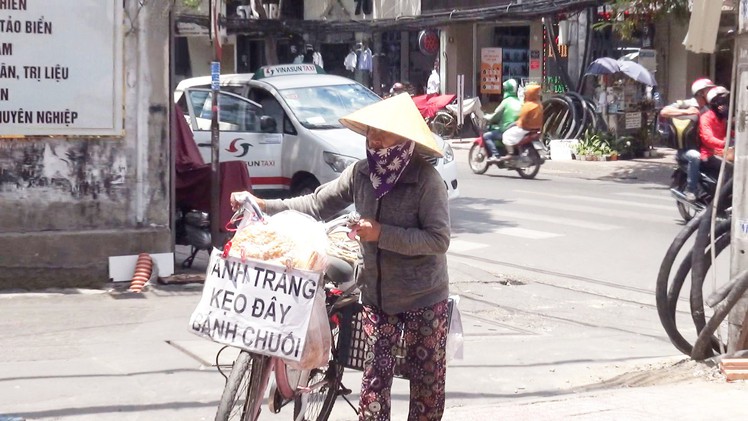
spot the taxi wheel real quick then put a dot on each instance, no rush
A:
(304, 186)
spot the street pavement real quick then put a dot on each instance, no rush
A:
(556, 278)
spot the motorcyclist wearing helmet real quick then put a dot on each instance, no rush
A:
(688, 108)
(713, 126)
(504, 116)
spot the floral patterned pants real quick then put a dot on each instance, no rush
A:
(425, 334)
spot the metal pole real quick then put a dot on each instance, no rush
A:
(215, 168)
(215, 134)
(739, 257)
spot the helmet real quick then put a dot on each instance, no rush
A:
(700, 85)
(716, 92)
(397, 88)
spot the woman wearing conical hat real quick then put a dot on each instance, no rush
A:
(404, 233)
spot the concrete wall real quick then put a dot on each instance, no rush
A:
(682, 67)
(457, 58)
(69, 203)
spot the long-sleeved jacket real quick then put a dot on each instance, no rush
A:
(712, 131)
(507, 112)
(531, 113)
(407, 268)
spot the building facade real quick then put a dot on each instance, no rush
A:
(70, 199)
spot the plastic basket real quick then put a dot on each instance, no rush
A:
(353, 347)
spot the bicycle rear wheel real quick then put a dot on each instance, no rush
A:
(244, 389)
(326, 383)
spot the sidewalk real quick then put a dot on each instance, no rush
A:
(639, 170)
(672, 389)
(695, 401)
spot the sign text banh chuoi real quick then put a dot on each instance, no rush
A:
(61, 67)
(255, 306)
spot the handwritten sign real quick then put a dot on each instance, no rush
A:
(256, 306)
(61, 67)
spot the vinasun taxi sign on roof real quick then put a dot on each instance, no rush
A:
(288, 69)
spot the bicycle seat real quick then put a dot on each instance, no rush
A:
(339, 271)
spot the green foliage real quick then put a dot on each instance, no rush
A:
(594, 143)
(628, 17)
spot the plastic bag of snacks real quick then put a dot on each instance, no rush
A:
(297, 241)
(289, 238)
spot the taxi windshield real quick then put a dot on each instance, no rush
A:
(320, 107)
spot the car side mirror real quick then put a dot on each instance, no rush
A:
(268, 124)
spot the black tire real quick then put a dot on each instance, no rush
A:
(305, 186)
(478, 159)
(233, 402)
(444, 124)
(321, 400)
(531, 171)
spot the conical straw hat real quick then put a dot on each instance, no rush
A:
(397, 115)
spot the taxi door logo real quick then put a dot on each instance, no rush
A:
(243, 147)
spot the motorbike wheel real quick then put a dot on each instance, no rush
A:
(478, 159)
(531, 171)
(444, 124)
(686, 212)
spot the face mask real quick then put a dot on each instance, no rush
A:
(386, 165)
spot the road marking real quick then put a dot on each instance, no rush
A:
(665, 198)
(524, 233)
(597, 211)
(530, 216)
(599, 200)
(461, 246)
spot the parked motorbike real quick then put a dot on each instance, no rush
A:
(440, 113)
(527, 161)
(193, 229)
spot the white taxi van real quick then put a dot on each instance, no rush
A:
(283, 121)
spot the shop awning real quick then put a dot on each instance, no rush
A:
(506, 10)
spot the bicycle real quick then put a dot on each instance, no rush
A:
(313, 392)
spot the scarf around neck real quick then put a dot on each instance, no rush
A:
(386, 165)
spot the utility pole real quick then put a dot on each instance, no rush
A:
(215, 134)
(739, 257)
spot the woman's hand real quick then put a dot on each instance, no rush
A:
(238, 198)
(368, 230)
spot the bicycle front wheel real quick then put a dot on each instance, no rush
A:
(325, 383)
(242, 395)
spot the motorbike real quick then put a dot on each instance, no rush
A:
(526, 161)
(683, 134)
(193, 229)
(440, 113)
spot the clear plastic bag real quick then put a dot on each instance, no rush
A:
(455, 340)
(318, 338)
(288, 238)
(298, 241)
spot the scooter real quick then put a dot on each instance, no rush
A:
(683, 132)
(526, 161)
(193, 229)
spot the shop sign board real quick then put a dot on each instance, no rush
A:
(490, 70)
(61, 68)
(633, 121)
